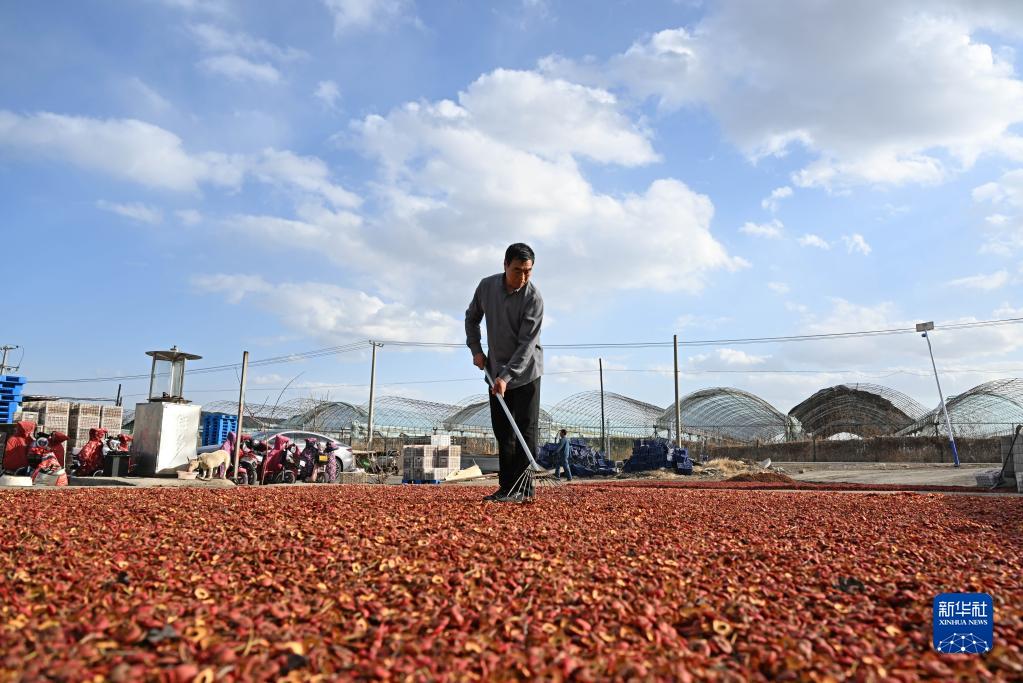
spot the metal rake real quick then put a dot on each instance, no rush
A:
(534, 475)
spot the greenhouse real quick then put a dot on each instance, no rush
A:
(863, 410)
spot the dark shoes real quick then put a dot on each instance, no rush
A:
(504, 497)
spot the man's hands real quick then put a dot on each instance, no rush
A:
(480, 361)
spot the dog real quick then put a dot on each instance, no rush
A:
(207, 463)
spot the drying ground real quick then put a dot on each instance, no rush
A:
(429, 583)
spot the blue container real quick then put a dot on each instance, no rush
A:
(216, 426)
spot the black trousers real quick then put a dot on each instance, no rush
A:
(524, 404)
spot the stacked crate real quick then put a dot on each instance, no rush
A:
(1012, 461)
(10, 396)
(429, 464)
(81, 418)
(215, 427)
(53, 415)
(111, 418)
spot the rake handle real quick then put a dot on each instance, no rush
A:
(511, 420)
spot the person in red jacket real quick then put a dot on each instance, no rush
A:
(91, 455)
(16, 452)
(274, 462)
(56, 444)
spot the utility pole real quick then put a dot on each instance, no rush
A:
(925, 328)
(117, 401)
(241, 414)
(603, 431)
(3, 363)
(678, 407)
(372, 390)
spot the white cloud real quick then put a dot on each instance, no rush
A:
(122, 148)
(458, 182)
(328, 92)
(778, 287)
(241, 69)
(152, 156)
(189, 216)
(215, 39)
(207, 6)
(329, 312)
(856, 244)
(811, 240)
(771, 203)
(136, 211)
(736, 357)
(890, 93)
(988, 282)
(771, 230)
(554, 118)
(308, 174)
(138, 90)
(1003, 230)
(350, 15)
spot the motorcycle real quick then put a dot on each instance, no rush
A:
(280, 464)
(250, 457)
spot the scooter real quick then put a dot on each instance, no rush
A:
(250, 457)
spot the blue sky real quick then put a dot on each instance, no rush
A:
(280, 177)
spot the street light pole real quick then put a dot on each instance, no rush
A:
(372, 388)
(925, 328)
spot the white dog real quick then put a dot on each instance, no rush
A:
(207, 463)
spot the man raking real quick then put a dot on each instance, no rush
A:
(513, 309)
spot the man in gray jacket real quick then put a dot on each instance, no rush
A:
(513, 308)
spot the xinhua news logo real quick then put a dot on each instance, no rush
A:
(964, 623)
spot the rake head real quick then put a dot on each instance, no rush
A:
(532, 478)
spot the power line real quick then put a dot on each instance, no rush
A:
(738, 340)
(290, 358)
(318, 353)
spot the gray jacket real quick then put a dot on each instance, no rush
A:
(513, 329)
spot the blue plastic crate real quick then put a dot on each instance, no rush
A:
(13, 379)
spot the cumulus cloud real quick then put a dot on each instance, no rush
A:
(239, 68)
(736, 357)
(778, 287)
(148, 155)
(135, 211)
(553, 118)
(127, 149)
(811, 240)
(461, 180)
(215, 39)
(771, 203)
(1003, 230)
(353, 15)
(890, 93)
(771, 230)
(329, 312)
(855, 244)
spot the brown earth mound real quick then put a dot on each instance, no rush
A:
(763, 477)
